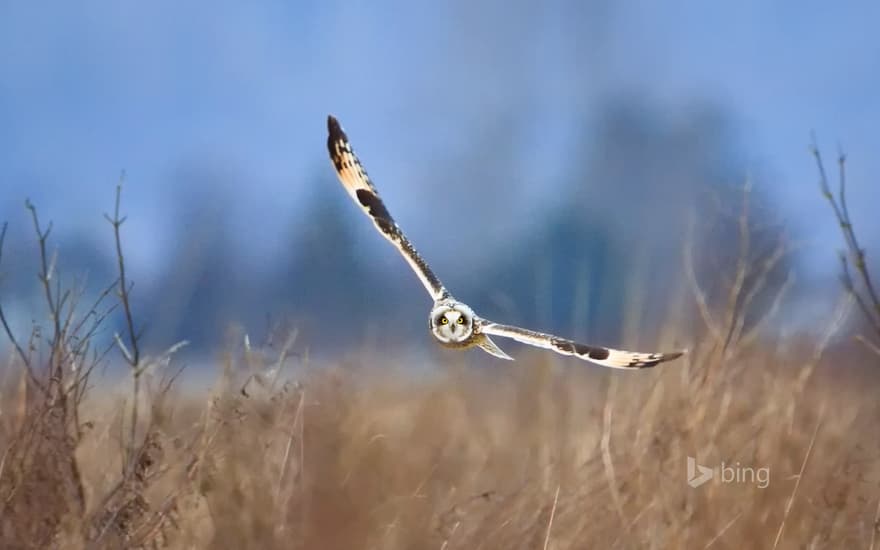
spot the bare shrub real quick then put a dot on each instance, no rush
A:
(855, 276)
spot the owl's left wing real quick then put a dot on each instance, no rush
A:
(607, 357)
(356, 181)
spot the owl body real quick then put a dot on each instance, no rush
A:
(453, 323)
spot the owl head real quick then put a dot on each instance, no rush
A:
(452, 322)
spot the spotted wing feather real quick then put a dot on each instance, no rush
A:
(606, 357)
(358, 185)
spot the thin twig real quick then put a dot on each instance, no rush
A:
(756, 286)
(875, 526)
(286, 458)
(734, 307)
(25, 358)
(869, 302)
(632, 523)
(797, 483)
(699, 295)
(758, 325)
(606, 450)
(841, 312)
(550, 522)
(47, 270)
(3, 459)
(282, 356)
(849, 285)
(124, 289)
(868, 344)
(131, 352)
(723, 530)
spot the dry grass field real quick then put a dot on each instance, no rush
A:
(542, 453)
(545, 452)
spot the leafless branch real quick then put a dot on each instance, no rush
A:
(734, 305)
(699, 295)
(864, 293)
(25, 358)
(132, 356)
(759, 284)
(47, 271)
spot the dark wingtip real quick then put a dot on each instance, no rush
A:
(664, 357)
(333, 126)
(335, 133)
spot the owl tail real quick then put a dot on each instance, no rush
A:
(491, 347)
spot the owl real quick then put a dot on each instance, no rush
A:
(453, 323)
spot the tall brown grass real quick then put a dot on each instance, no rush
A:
(542, 453)
(545, 452)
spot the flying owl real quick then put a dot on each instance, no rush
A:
(453, 323)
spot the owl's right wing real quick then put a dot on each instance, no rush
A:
(356, 181)
(606, 357)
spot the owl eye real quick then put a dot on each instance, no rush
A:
(444, 321)
(460, 321)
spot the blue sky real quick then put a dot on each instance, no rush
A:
(89, 90)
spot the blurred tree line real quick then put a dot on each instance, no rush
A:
(608, 251)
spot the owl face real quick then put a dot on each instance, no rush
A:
(452, 323)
